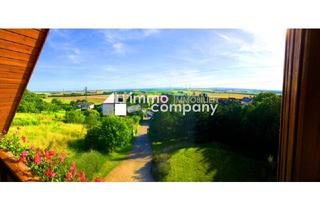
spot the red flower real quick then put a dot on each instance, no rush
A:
(50, 173)
(82, 177)
(37, 158)
(49, 155)
(23, 156)
(99, 180)
(69, 176)
(24, 139)
(73, 169)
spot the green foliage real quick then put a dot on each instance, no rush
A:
(92, 118)
(160, 166)
(251, 129)
(74, 116)
(113, 133)
(32, 103)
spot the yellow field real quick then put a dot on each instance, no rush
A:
(225, 95)
(96, 99)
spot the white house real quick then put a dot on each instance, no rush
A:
(115, 105)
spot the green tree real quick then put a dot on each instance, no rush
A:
(74, 116)
(92, 118)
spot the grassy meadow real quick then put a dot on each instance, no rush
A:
(188, 162)
(47, 130)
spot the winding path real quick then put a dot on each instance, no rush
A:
(137, 167)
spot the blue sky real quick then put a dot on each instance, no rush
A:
(152, 58)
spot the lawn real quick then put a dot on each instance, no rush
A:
(46, 130)
(189, 162)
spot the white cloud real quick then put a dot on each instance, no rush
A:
(117, 38)
(119, 48)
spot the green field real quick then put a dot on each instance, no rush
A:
(45, 130)
(211, 162)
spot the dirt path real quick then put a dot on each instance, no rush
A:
(137, 167)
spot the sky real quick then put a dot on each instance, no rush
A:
(166, 58)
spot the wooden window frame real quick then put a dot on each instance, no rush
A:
(299, 145)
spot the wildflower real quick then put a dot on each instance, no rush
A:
(99, 180)
(62, 158)
(73, 169)
(50, 173)
(49, 155)
(82, 177)
(23, 156)
(24, 139)
(15, 134)
(69, 176)
(4, 132)
(37, 158)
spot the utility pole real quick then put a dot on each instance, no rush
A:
(86, 92)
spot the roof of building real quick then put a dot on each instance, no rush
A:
(110, 99)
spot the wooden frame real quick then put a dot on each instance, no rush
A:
(19, 53)
(299, 147)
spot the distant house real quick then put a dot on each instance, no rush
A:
(84, 105)
(115, 104)
(246, 100)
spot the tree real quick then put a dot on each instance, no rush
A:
(92, 118)
(74, 116)
(31, 102)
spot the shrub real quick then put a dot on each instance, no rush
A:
(74, 116)
(92, 118)
(113, 133)
(161, 166)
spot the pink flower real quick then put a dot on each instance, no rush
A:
(24, 139)
(82, 177)
(4, 132)
(49, 155)
(50, 173)
(69, 176)
(37, 158)
(23, 156)
(99, 180)
(62, 158)
(73, 169)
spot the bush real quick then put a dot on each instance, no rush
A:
(160, 166)
(113, 133)
(74, 116)
(92, 118)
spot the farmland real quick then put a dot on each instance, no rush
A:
(96, 99)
